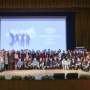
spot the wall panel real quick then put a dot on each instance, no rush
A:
(43, 3)
(83, 28)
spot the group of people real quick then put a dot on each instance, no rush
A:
(27, 59)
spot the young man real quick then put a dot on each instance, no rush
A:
(46, 64)
(55, 63)
(68, 63)
(59, 63)
(51, 63)
(41, 63)
(63, 64)
(35, 63)
(19, 64)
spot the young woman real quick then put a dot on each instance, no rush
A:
(6, 60)
(15, 60)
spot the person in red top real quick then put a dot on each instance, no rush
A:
(42, 56)
(15, 60)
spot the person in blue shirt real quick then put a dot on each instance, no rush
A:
(19, 64)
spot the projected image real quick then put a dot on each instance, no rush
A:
(33, 33)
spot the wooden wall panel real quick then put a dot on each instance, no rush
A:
(46, 85)
(83, 28)
(43, 3)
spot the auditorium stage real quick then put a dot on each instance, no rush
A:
(39, 73)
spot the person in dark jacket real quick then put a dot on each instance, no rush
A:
(46, 64)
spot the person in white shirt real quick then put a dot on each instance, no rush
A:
(68, 63)
(1, 61)
(63, 63)
(35, 63)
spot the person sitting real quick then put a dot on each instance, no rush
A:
(41, 63)
(51, 63)
(84, 65)
(19, 64)
(35, 63)
(73, 62)
(25, 63)
(55, 63)
(46, 64)
(59, 63)
(78, 63)
(30, 66)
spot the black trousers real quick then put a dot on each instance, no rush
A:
(11, 65)
(6, 66)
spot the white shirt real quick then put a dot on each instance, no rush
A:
(63, 62)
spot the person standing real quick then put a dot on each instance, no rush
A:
(6, 60)
(1, 61)
(11, 60)
(15, 60)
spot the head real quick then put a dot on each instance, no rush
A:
(40, 59)
(78, 59)
(59, 58)
(29, 59)
(15, 52)
(46, 59)
(55, 58)
(6, 52)
(50, 59)
(34, 59)
(19, 59)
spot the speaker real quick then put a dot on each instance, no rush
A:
(59, 76)
(72, 76)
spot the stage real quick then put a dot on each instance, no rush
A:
(39, 73)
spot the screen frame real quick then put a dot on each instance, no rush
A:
(33, 17)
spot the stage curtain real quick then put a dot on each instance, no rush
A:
(83, 28)
(43, 3)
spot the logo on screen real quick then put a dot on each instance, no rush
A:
(50, 30)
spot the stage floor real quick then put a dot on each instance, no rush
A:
(39, 73)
